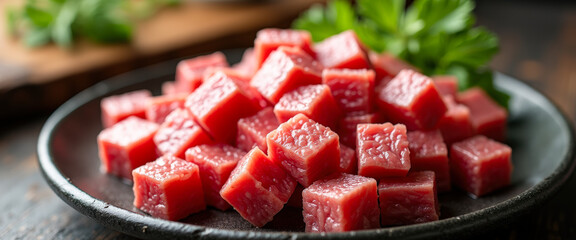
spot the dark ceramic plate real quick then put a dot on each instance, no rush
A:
(540, 136)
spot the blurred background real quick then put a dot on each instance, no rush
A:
(537, 46)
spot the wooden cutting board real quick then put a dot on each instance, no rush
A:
(191, 23)
(36, 81)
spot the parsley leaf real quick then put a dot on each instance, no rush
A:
(40, 22)
(437, 36)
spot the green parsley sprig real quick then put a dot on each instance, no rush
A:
(437, 36)
(39, 22)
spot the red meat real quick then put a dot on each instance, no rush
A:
(270, 39)
(446, 85)
(480, 165)
(348, 162)
(285, 70)
(353, 89)
(428, 152)
(488, 118)
(215, 162)
(179, 132)
(190, 72)
(247, 67)
(347, 129)
(408, 200)
(119, 107)
(382, 150)
(258, 188)
(252, 130)
(159, 107)
(388, 66)
(314, 101)
(412, 99)
(168, 188)
(307, 150)
(344, 202)
(456, 124)
(218, 104)
(127, 145)
(342, 50)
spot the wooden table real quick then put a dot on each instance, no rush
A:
(538, 42)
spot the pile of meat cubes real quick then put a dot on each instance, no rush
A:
(356, 139)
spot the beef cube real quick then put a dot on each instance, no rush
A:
(218, 104)
(353, 89)
(342, 50)
(480, 165)
(127, 145)
(347, 128)
(179, 132)
(314, 101)
(387, 66)
(215, 162)
(307, 150)
(168, 188)
(252, 130)
(382, 150)
(190, 72)
(456, 124)
(270, 39)
(412, 99)
(159, 107)
(258, 188)
(348, 162)
(408, 200)
(488, 118)
(285, 70)
(428, 152)
(119, 107)
(344, 202)
(447, 85)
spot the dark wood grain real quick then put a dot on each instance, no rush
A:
(538, 45)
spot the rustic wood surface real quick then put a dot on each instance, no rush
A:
(538, 45)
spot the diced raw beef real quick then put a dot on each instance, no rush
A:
(258, 188)
(247, 67)
(388, 66)
(382, 150)
(127, 145)
(169, 88)
(160, 106)
(353, 89)
(314, 101)
(342, 50)
(285, 70)
(408, 200)
(456, 124)
(488, 118)
(428, 152)
(168, 188)
(270, 39)
(446, 85)
(306, 149)
(119, 107)
(480, 165)
(218, 104)
(343, 202)
(178, 133)
(412, 99)
(252, 130)
(347, 129)
(190, 72)
(348, 162)
(216, 162)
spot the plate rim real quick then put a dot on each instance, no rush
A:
(144, 226)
